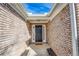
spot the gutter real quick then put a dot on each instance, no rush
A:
(74, 29)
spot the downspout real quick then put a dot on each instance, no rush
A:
(73, 29)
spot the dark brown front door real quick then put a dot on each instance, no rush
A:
(38, 33)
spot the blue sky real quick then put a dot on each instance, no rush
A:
(37, 8)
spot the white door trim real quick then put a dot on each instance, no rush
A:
(43, 32)
(33, 33)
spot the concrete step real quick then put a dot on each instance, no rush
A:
(38, 50)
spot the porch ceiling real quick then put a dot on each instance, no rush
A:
(57, 7)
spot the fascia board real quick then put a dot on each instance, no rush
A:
(18, 8)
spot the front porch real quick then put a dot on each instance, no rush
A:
(38, 44)
(21, 34)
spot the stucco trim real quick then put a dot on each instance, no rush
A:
(38, 21)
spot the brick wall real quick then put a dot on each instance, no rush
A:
(13, 32)
(59, 33)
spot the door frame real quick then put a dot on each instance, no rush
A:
(43, 33)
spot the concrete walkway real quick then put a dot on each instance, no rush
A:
(37, 50)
